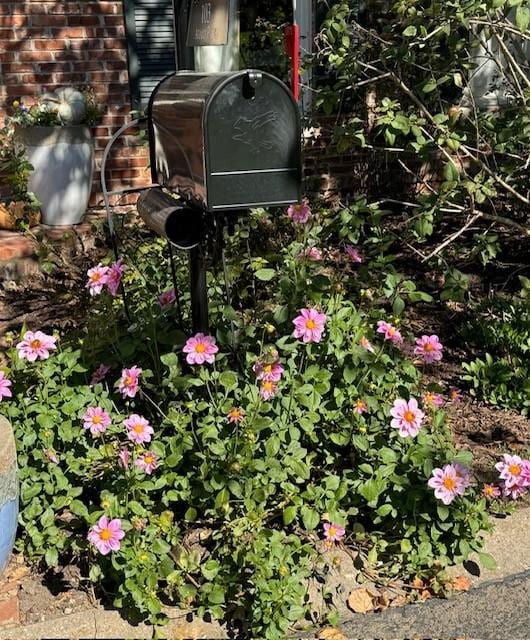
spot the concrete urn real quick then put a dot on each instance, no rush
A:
(8, 492)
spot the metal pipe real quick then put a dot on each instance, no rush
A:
(181, 225)
(198, 290)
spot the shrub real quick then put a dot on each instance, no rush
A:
(261, 433)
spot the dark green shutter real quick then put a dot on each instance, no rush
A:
(151, 45)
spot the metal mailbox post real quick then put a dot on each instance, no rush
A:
(220, 144)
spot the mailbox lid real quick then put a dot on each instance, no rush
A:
(252, 143)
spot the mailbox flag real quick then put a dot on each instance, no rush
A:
(292, 45)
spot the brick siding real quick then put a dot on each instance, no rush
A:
(45, 45)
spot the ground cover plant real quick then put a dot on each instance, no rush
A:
(206, 470)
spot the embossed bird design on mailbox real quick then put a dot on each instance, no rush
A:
(249, 131)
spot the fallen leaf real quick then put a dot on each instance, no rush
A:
(330, 633)
(399, 601)
(360, 601)
(461, 583)
(418, 583)
(425, 595)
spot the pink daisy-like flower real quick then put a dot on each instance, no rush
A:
(300, 212)
(5, 383)
(366, 344)
(511, 470)
(99, 374)
(491, 491)
(36, 346)
(128, 383)
(310, 253)
(429, 348)
(333, 532)
(268, 389)
(147, 462)
(390, 332)
(123, 458)
(266, 370)
(360, 407)
(96, 419)
(433, 399)
(235, 415)
(514, 492)
(106, 535)
(97, 279)
(407, 417)
(200, 349)
(114, 276)
(463, 475)
(446, 483)
(309, 325)
(138, 429)
(167, 298)
(353, 253)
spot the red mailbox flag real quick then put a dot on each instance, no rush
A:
(292, 45)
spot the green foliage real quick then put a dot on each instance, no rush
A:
(501, 331)
(229, 520)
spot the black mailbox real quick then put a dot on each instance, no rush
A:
(226, 141)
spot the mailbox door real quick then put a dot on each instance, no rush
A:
(252, 143)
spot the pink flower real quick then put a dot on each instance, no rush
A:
(97, 279)
(167, 298)
(463, 475)
(354, 254)
(147, 462)
(138, 429)
(51, 456)
(407, 417)
(360, 407)
(309, 325)
(512, 471)
(106, 535)
(455, 394)
(366, 344)
(268, 389)
(390, 332)
(429, 348)
(446, 483)
(200, 349)
(99, 374)
(491, 491)
(433, 399)
(300, 212)
(36, 346)
(310, 253)
(514, 492)
(128, 383)
(114, 276)
(235, 415)
(123, 458)
(5, 383)
(268, 370)
(333, 532)
(96, 420)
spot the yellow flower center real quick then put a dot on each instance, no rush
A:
(488, 490)
(95, 277)
(428, 347)
(96, 419)
(332, 531)
(391, 331)
(200, 348)
(35, 344)
(360, 404)
(235, 414)
(310, 324)
(267, 386)
(449, 483)
(298, 208)
(105, 534)
(129, 380)
(514, 469)
(267, 368)
(138, 428)
(149, 459)
(409, 416)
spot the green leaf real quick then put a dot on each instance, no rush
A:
(310, 517)
(406, 546)
(487, 561)
(372, 489)
(289, 514)
(410, 31)
(451, 173)
(210, 569)
(228, 379)
(265, 274)
(522, 17)
(52, 557)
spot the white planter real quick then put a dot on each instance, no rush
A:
(63, 163)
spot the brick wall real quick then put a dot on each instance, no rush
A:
(48, 44)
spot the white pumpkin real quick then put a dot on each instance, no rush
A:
(69, 104)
